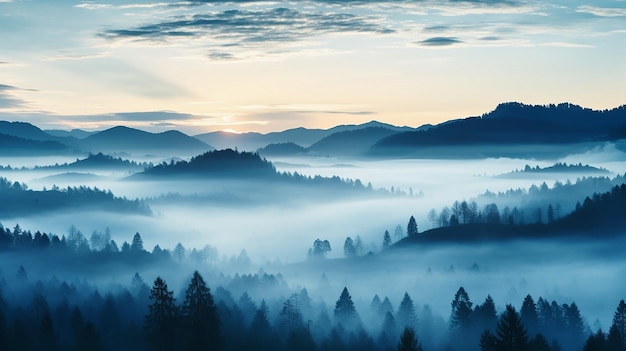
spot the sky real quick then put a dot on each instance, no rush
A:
(242, 65)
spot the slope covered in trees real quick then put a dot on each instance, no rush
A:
(18, 200)
(510, 124)
(598, 216)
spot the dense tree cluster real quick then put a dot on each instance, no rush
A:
(53, 315)
(19, 200)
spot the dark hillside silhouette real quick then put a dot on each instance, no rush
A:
(597, 217)
(100, 161)
(511, 124)
(558, 167)
(220, 163)
(12, 145)
(282, 149)
(17, 200)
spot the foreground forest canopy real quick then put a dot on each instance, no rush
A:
(57, 315)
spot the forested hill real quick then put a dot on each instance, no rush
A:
(220, 163)
(18, 201)
(514, 124)
(598, 217)
(100, 161)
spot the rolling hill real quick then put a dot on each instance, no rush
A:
(502, 131)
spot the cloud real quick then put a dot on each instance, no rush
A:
(7, 99)
(266, 30)
(149, 116)
(602, 11)
(439, 41)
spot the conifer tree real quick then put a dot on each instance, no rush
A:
(411, 229)
(199, 316)
(345, 313)
(409, 341)
(161, 321)
(406, 316)
(461, 310)
(386, 240)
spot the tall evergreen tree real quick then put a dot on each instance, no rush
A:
(510, 332)
(345, 312)
(411, 229)
(386, 240)
(409, 341)
(406, 316)
(199, 316)
(485, 315)
(619, 321)
(461, 310)
(137, 245)
(528, 313)
(161, 321)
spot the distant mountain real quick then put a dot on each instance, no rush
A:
(125, 139)
(509, 125)
(300, 136)
(558, 167)
(24, 130)
(282, 149)
(74, 133)
(350, 142)
(12, 145)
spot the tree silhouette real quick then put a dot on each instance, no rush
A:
(528, 313)
(406, 316)
(199, 316)
(386, 240)
(619, 321)
(320, 248)
(161, 321)
(348, 248)
(510, 332)
(409, 341)
(137, 244)
(411, 229)
(461, 310)
(345, 312)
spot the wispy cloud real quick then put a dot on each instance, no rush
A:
(440, 41)
(7, 99)
(270, 30)
(602, 11)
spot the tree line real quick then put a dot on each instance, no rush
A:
(54, 315)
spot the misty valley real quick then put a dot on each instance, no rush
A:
(504, 231)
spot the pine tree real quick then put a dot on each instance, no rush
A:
(386, 240)
(510, 332)
(406, 316)
(528, 313)
(619, 321)
(345, 313)
(461, 310)
(411, 229)
(485, 314)
(137, 245)
(161, 321)
(199, 316)
(409, 341)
